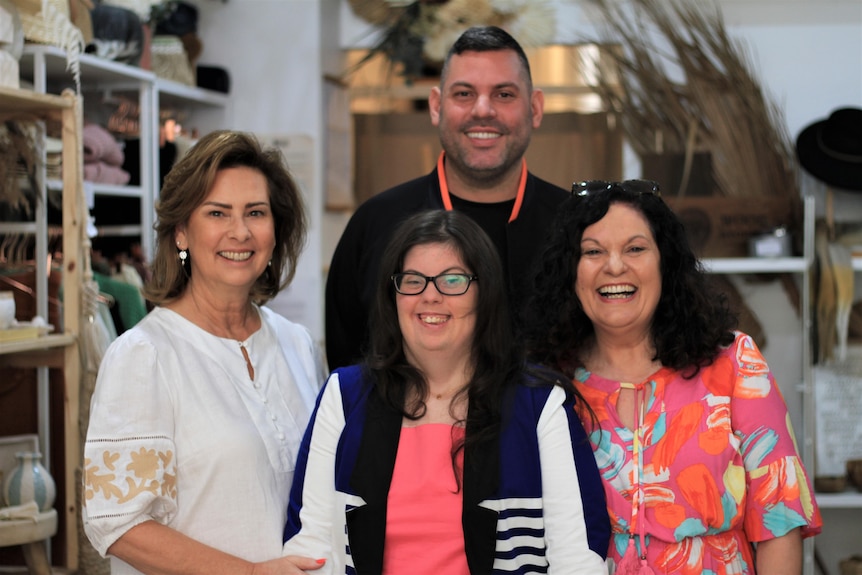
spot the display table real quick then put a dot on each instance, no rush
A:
(31, 534)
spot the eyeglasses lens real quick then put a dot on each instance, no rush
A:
(447, 284)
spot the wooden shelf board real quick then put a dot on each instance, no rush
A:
(45, 342)
(28, 104)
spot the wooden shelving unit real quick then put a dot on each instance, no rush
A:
(56, 350)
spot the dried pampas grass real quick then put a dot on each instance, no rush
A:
(18, 160)
(686, 86)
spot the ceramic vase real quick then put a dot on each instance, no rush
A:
(30, 481)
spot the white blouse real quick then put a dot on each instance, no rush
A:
(180, 434)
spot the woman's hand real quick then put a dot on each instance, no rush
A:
(290, 565)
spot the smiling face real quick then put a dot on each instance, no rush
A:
(231, 235)
(485, 114)
(430, 322)
(618, 274)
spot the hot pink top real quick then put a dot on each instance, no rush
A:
(423, 521)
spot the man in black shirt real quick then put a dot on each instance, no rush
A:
(485, 110)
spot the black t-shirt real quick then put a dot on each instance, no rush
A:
(491, 217)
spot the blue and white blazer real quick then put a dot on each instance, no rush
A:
(534, 505)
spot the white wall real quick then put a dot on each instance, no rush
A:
(273, 51)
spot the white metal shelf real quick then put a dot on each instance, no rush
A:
(18, 228)
(103, 189)
(45, 66)
(172, 94)
(99, 73)
(118, 231)
(754, 265)
(846, 499)
(117, 191)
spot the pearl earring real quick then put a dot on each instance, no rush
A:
(184, 254)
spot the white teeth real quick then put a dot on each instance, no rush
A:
(617, 292)
(435, 319)
(483, 135)
(236, 256)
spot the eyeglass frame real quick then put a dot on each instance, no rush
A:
(432, 280)
(635, 186)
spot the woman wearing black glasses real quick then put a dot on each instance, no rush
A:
(689, 429)
(444, 452)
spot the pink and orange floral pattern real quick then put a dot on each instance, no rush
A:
(719, 465)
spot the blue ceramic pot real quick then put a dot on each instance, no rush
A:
(30, 481)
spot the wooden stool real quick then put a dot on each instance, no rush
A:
(31, 534)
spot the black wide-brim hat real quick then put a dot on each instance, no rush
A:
(831, 149)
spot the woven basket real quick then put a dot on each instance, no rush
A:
(51, 25)
(28, 6)
(170, 61)
(851, 565)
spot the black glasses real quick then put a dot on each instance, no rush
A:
(642, 187)
(409, 283)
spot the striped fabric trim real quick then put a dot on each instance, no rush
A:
(520, 535)
(351, 502)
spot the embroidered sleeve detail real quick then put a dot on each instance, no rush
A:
(127, 481)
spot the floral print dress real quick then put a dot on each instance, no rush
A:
(714, 469)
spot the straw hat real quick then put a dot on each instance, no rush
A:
(831, 149)
(51, 25)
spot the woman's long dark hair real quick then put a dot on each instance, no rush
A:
(691, 322)
(497, 361)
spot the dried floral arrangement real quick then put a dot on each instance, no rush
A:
(18, 157)
(417, 34)
(715, 104)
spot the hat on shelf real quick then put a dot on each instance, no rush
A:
(51, 25)
(831, 149)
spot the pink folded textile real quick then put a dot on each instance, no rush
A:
(101, 146)
(103, 173)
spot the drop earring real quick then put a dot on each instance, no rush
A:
(183, 255)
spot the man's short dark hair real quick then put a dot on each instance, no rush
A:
(487, 39)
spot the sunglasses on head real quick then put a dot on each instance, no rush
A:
(640, 187)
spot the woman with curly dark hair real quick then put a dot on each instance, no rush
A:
(444, 452)
(688, 427)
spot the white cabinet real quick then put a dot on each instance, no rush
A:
(54, 350)
(106, 81)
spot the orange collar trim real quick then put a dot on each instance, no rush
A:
(447, 199)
